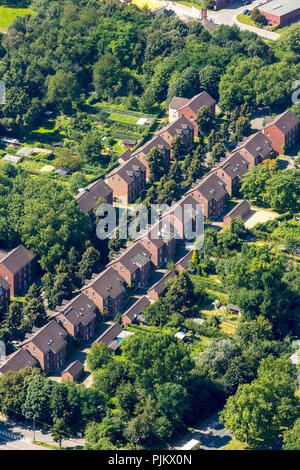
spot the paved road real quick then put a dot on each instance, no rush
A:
(227, 16)
(13, 436)
(211, 434)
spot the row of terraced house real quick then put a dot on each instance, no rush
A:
(105, 294)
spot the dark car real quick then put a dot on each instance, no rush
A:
(245, 12)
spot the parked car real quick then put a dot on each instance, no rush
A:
(249, 13)
(245, 12)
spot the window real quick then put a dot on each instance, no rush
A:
(5, 276)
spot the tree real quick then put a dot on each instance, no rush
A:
(180, 293)
(98, 356)
(13, 390)
(37, 401)
(257, 413)
(218, 151)
(156, 359)
(65, 158)
(178, 147)
(209, 78)
(254, 183)
(291, 437)
(33, 312)
(205, 121)
(283, 190)
(77, 181)
(90, 147)
(49, 221)
(257, 17)
(107, 75)
(62, 91)
(156, 162)
(59, 431)
(88, 264)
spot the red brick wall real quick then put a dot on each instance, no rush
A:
(276, 137)
(282, 20)
(192, 116)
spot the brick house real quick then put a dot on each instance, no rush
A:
(280, 13)
(231, 170)
(89, 196)
(181, 126)
(183, 263)
(48, 346)
(110, 337)
(256, 148)
(4, 293)
(189, 108)
(127, 180)
(210, 192)
(283, 131)
(242, 209)
(18, 268)
(134, 265)
(160, 242)
(157, 142)
(78, 317)
(134, 313)
(73, 372)
(160, 287)
(183, 216)
(17, 361)
(107, 291)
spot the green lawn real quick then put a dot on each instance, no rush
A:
(244, 19)
(123, 118)
(235, 445)
(7, 15)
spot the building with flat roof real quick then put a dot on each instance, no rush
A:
(281, 12)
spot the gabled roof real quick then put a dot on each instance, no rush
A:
(50, 337)
(125, 156)
(133, 312)
(17, 258)
(80, 310)
(109, 335)
(235, 165)
(202, 99)
(88, 197)
(195, 103)
(177, 102)
(133, 258)
(74, 369)
(285, 121)
(239, 209)
(211, 188)
(179, 126)
(257, 144)
(129, 170)
(107, 284)
(157, 142)
(18, 360)
(160, 286)
(184, 261)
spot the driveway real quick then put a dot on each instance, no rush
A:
(211, 434)
(256, 216)
(227, 16)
